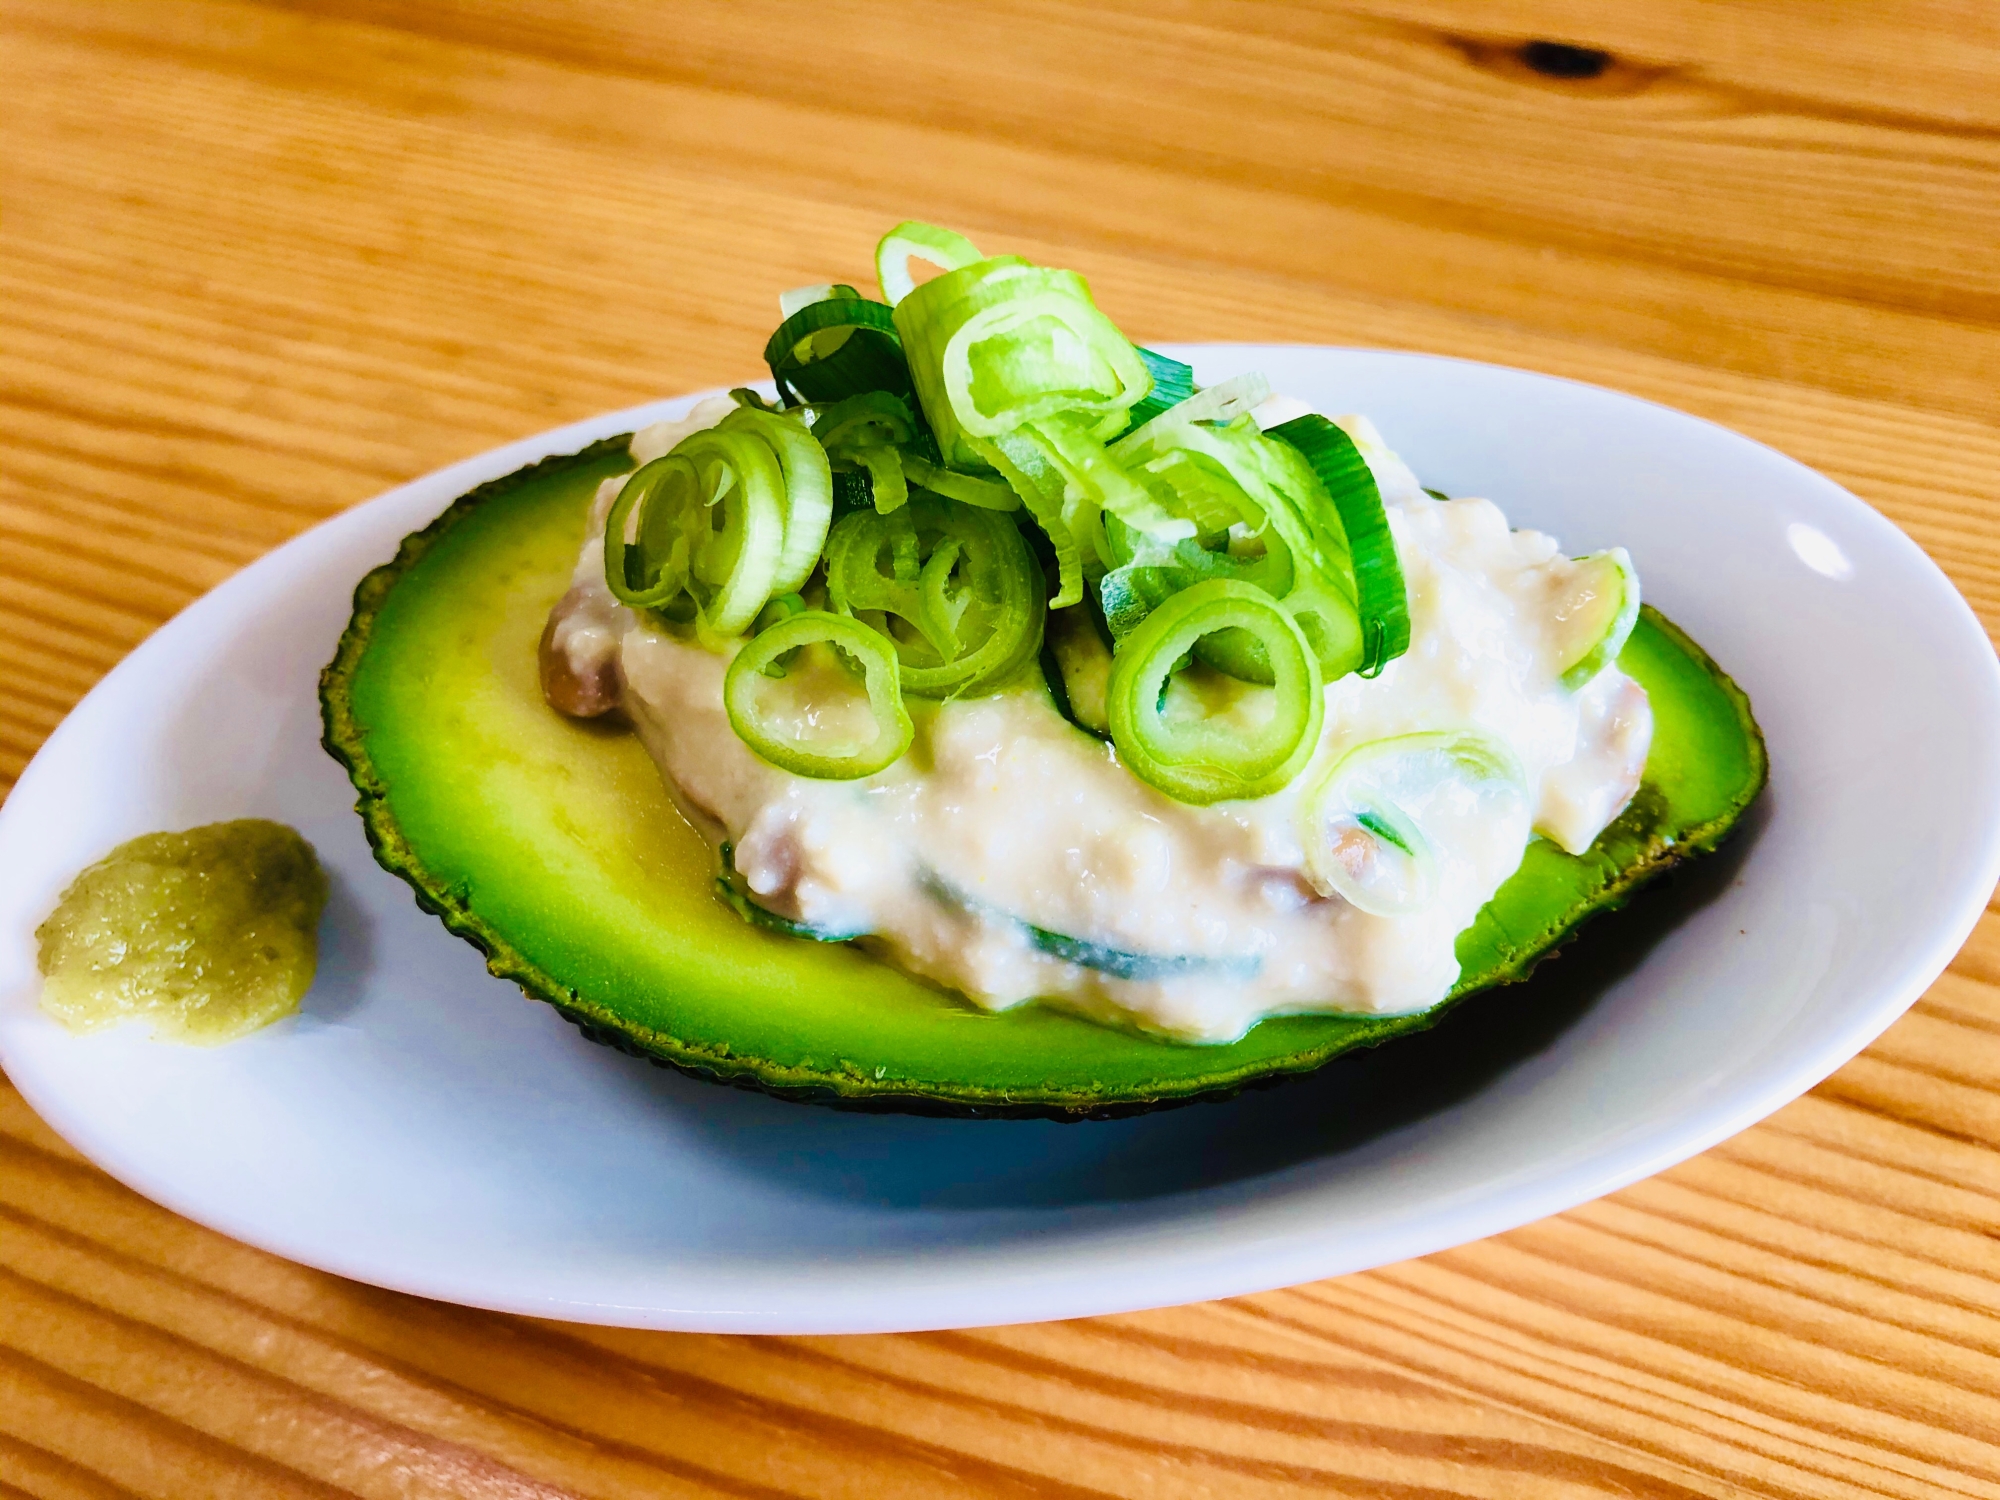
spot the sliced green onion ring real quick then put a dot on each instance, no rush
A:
(757, 724)
(1070, 484)
(707, 520)
(1001, 342)
(1027, 470)
(839, 346)
(960, 579)
(1150, 573)
(1173, 383)
(1380, 596)
(1220, 402)
(867, 432)
(808, 490)
(1233, 479)
(1364, 826)
(1028, 343)
(1217, 756)
(910, 241)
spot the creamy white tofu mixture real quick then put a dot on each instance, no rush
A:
(1009, 856)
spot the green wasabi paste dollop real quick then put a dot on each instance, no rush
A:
(208, 934)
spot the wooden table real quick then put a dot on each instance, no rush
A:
(262, 261)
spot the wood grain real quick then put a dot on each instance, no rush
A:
(260, 261)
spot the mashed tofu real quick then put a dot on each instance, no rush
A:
(1010, 857)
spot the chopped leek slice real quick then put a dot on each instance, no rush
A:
(1595, 619)
(1151, 574)
(1123, 963)
(1173, 383)
(1380, 597)
(1018, 371)
(954, 587)
(1087, 953)
(1076, 661)
(779, 730)
(808, 490)
(865, 432)
(910, 241)
(805, 296)
(1221, 402)
(1027, 470)
(1001, 342)
(1374, 827)
(733, 889)
(1202, 757)
(988, 494)
(1232, 479)
(841, 345)
(707, 520)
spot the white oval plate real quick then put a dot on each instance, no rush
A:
(421, 1126)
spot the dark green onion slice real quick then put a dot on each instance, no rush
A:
(955, 587)
(1123, 963)
(662, 539)
(1086, 953)
(1173, 383)
(1210, 757)
(838, 347)
(852, 490)
(1380, 597)
(729, 885)
(746, 686)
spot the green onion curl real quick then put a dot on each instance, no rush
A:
(915, 241)
(1203, 757)
(1381, 599)
(776, 731)
(841, 345)
(1242, 493)
(1000, 342)
(662, 541)
(808, 489)
(867, 432)
(953, 588)
(1173, 383)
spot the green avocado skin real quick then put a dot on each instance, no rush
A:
(551, 846)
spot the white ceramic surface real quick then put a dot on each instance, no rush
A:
(422, 1126)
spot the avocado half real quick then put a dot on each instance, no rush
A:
(552, 846)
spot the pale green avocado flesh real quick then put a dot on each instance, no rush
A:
(552, 846)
